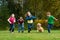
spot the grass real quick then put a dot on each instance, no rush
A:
(54, 35)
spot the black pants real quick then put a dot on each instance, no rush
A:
(49, 27)
(11, 28)
(30, 26)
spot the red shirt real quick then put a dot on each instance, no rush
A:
(20, 21)
(12, 19)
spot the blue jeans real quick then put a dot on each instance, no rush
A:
(30, 25)
(11, 28)
(21, 27)
(49, 27)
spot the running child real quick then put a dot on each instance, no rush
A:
(21, 24)
(12, 21)
(50, 21)
(29, 19)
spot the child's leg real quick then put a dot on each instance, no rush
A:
(19, 27)
(29, 28)
(32, 25)
(49, 27)
(22, 27)
(12, 30)
(12, 27)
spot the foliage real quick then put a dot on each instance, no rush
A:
(38, 8)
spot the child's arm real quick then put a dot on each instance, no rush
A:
(9, 20)
(46, 20)
(33, 17)
(28, 18)
(14, 21)
(56, 19)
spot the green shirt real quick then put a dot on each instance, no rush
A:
(51, 20)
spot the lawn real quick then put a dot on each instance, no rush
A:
(6, 35)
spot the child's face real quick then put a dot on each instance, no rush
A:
(13, 15)
(28, 13)
(21, 18)
(48, 14)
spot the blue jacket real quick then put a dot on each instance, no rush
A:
(30, 18)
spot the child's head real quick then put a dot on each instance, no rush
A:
(28, 13)
(39, 24)
(21, 17)
(48, 14)
(13, 15)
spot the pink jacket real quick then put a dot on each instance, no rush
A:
(12, 19)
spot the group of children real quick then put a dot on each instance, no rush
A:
(12, 21)
(30, 19)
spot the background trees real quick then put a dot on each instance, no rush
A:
(20, 7)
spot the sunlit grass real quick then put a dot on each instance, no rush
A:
(6, 35)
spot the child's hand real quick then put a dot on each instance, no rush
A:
(10, 22)
(14, 21)
(56, 19)
(46, 20)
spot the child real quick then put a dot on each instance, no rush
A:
(21, 24)
(39, 28)
(50, 21)
(11, 20)
(29, 19)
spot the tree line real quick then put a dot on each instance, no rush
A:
(38, 8)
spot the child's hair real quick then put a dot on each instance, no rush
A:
(12, 14)
(28, 13)
(48, 13)
(21, 17)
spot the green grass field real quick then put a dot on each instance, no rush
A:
(6, 35)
